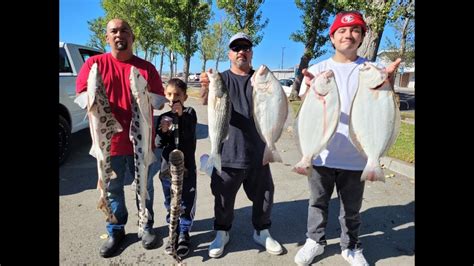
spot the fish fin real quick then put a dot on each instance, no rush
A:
(372, 171)
(117, 127)
(92, 152)
(82, 99)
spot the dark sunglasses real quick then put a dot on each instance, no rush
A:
(238, 48)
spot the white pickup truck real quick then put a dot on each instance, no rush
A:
(71, 117)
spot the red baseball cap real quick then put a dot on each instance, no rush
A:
(346, 19)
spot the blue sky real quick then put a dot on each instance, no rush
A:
(284, 19)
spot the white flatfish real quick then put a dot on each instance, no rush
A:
(270, 111)
(317, 119)
(374, 119)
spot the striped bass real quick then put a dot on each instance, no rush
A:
(374, 119)
(141, 135)
(103, 126)
(218, 112)
(270, 110)
(317, 119)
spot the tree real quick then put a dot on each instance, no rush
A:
(186, 17)
(315, 20)
(376, 14)
(141, 15)
(403, 24)
(207, 47)
(222, 35)
(98, 28)
(245, 17)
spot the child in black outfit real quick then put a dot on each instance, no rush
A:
(175, 92)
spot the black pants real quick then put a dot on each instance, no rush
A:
(349, 190)
(258, 185)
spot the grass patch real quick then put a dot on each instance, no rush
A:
(404, 147)
(295, 106)
(405, 115)
(193, 92)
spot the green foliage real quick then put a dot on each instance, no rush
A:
(402, 20)
(222, 35)
(408, 56)
(98, 28)
(140, 14)
(207, 47)
(315, 20)
(245, 17)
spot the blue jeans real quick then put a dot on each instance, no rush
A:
(121, 165)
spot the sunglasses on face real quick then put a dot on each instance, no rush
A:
(238, 48)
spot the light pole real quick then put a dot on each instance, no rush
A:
(282, 51)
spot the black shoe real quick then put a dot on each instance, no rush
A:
(149, 239)
(111, 245)
(183, 244)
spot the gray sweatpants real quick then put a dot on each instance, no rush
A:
(258, 185)
(349, 190)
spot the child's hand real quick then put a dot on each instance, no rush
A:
(177, 108)
(165, 124)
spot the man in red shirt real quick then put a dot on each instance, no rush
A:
(115, 70)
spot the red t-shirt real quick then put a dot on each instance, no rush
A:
(116, 76)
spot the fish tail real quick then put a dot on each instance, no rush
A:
(372, 172)
(303, 167)
(214, 161)
(270, 156)
(276, 156)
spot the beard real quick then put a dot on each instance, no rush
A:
(121, 46)
(241, 61)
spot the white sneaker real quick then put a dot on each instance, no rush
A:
(265, 239)
(217, 246)
(307, 253)
(354, 257)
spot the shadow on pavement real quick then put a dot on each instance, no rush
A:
(79, 172)
(386, 231)
(202, 131)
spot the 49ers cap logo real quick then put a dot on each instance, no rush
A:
(347, 19)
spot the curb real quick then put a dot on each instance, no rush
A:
(401, 167)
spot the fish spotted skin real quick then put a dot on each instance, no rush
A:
(374, 119)
(103, 126)
(317, 119)
(270, 111)
(141, 133)
(176, 159)
(218, 111)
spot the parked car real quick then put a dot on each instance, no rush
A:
(286, 84)
(71, 117)
(194, 76)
